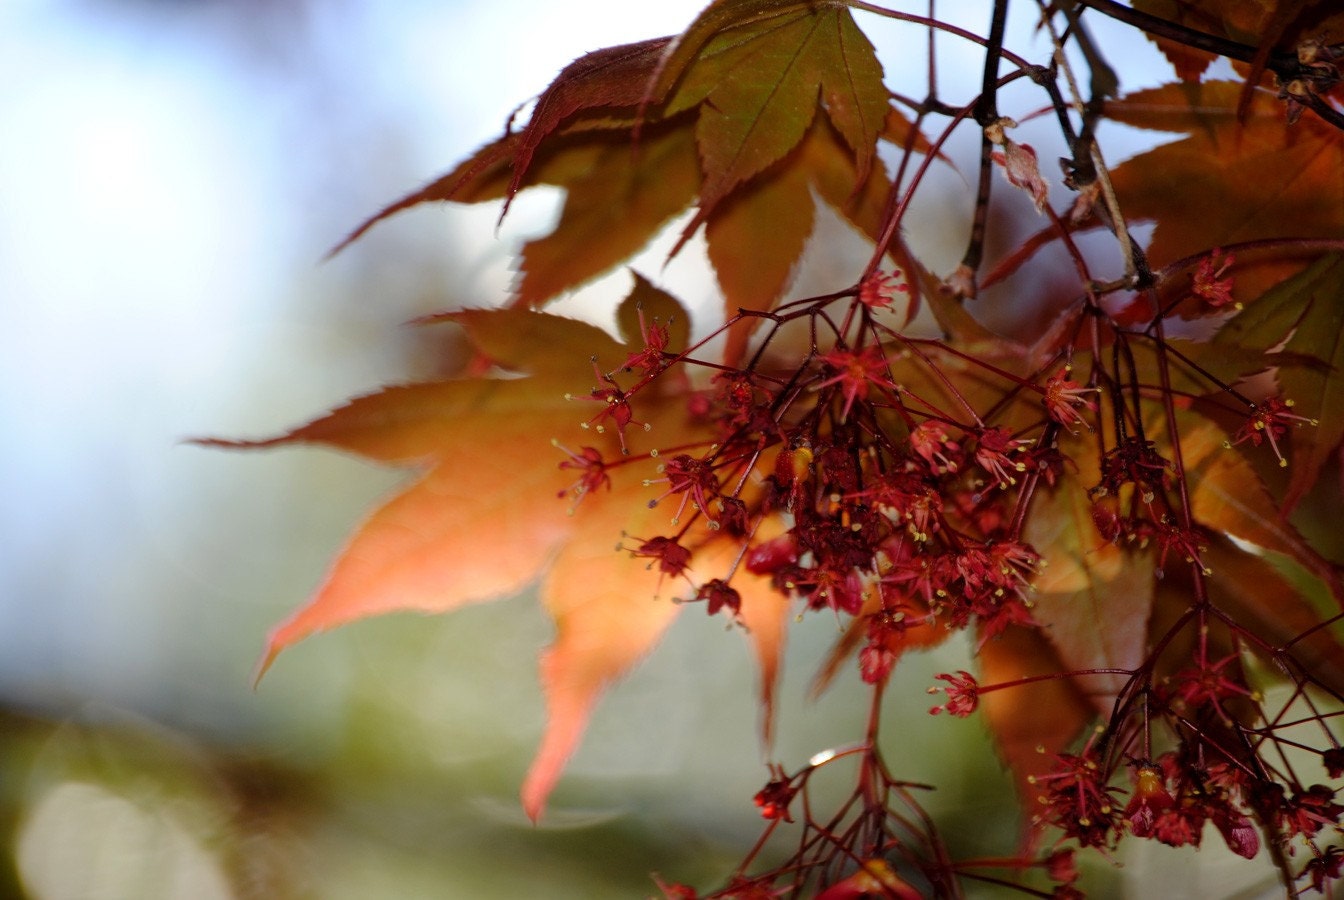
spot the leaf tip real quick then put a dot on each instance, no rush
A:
(534, 801)
(264, 664)
(291, 631)
(234, 443)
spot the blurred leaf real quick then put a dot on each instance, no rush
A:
(751, 271)
(1093, 598)
(1228, 496)
(612, 209)
(1272, 607)
(1318, 391)
(1263, 24)
(765, 615)
(1030, 723)
(1266, 321)
(608, 615)
(1287, 177)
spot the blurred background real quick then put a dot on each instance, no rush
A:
(171, 175)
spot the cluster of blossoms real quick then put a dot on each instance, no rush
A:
(896, 506)
(861, 482)
(887, 480)
(1234, 763)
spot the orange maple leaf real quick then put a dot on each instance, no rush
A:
(487, 514)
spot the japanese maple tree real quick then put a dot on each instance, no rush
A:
(1106, 443)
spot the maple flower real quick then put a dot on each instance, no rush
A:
(878, 291)
(1238, 833)
(1063, 399)
(993, 453)
(1269, 421)
(930, 576)
(822, 586)
(591, 467)
(1048, 462)
(792, 476)
(672, 558)
(876, 662)
(1017, 563)
(1209, 285)
(1207, 685)
(855, 373)
(1175, 826)
(718, 594)
(1062, 866)
(1184, 541)
(963, 694)
(693, 478)
(974, 568)
(1078, 800)
(737, 401)
(768, 557)
(1150, 799)
(617, 408)
(732, 516)
(686, 474)
(931, 442)
(1132, 461)
(673, 890)
(1306, 812)
(923, 513)
(651, 358)
(997, 611)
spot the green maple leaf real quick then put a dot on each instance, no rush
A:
(758, 71)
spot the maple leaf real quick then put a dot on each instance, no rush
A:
(754, 273)
(1087, 581)
(1029, 723)
(617, 197)
(609, 79)
(487, 175)
(758, 70)
(1318, 390)
(1287, 178)
(1228, 496)
(743, 84)
(612, 209)
(483, 519)
(1266, 26)
(1260, 591)
(601, 83)
(1189, 62)
(1304, 316)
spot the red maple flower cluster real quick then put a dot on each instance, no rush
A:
(864, 482)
